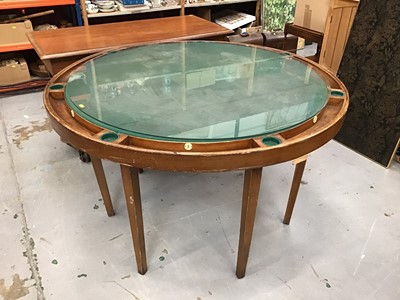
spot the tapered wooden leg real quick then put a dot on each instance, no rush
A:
(298, 174)
(130, 179)
(251, 189)
(102, 182)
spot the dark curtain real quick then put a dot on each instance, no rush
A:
(371, 71)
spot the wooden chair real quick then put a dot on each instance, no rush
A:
(307, 34)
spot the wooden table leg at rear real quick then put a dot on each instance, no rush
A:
(102, 182)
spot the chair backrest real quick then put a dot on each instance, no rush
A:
(307, 34)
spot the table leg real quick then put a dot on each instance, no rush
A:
(102, 182)
(251, 188)
(130, 179)
(298, 174)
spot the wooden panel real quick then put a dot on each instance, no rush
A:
(345, 3)
(341, 39)
(353, 15)
(331, 35)
(371, 71)
(340, 20)
(56, 65)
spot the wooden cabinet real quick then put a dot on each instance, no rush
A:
(332, 17)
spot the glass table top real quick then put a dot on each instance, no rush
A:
(196, 91)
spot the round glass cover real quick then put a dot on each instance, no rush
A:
(196, 91)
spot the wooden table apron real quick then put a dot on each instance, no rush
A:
(249, 154)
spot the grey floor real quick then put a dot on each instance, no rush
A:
(58, 243)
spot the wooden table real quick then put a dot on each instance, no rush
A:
(59, 48)
(196, 106)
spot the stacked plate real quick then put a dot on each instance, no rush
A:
(106, 6)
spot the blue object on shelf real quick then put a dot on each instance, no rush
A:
(78, 12)
(131, 2)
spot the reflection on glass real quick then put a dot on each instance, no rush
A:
(276, 13)
(196, 91)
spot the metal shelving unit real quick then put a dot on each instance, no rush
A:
(7, 7)
(144, 9)
(16, 4)
(22, 4)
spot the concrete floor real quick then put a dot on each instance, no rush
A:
(58, 243)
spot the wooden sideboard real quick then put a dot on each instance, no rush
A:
(59, 48)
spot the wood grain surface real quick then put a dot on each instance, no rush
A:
(86, 40)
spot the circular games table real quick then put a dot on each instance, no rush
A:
(196, 107)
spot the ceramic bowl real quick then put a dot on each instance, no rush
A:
(105, 4)
(92, 10)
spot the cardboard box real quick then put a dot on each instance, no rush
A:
(13, 71)
(15, 33)
(312, 14)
